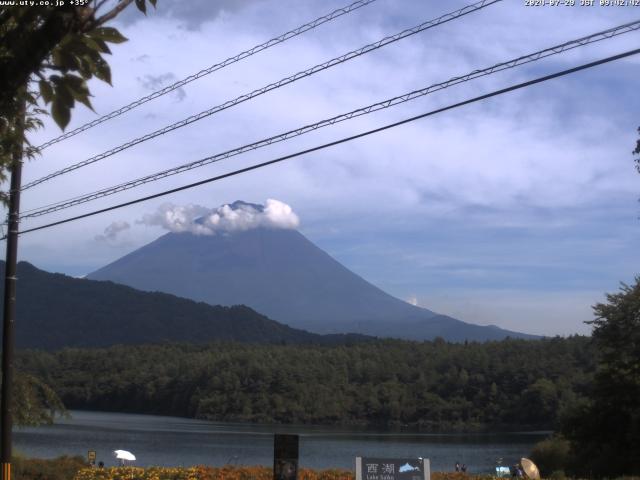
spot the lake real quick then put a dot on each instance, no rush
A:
(173, 441)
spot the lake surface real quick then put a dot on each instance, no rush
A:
(173, 441)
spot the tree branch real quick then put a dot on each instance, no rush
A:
(112, 14)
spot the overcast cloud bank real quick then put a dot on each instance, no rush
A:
(529, 196)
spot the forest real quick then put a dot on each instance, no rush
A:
(429, 385)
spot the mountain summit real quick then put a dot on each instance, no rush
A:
(252, 255)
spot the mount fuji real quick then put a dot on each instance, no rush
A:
(248, 254)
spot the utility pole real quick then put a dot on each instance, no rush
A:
(9, 308)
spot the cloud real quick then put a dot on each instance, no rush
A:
(112, 231)
(238, 216)
(154, 83)
(191, 14)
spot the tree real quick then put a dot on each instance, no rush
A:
(56, 50)
(605, 431)
(36, 403)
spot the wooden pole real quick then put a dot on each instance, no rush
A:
(9, 309)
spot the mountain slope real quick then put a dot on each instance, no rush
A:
(55, 311)
(282, 274)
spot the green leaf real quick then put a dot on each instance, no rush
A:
(96, 44)
(74, 82)
(103, 71)
(142, 6)
(46, 91)
(108, 34)
(85, 67)
(79, 47)
(63, 95)
(60, 113)
(63, 59)
(87, 63)
(90, 42)
(79, 90)
(84, 99)
(102, 46)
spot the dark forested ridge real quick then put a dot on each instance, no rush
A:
(56, 311)
(430, 385)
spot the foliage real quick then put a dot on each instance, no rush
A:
(551, 456)
(35, 403)
(62, 468)
(49, 53)
(605, 430)
(429, 385)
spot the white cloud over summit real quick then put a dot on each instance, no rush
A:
(239, 216)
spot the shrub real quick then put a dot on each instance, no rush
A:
(557, 475)
(551, 456)
(62, 468)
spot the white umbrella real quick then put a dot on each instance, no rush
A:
(530, 468)
(124, 455)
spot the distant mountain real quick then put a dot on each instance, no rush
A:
(281, 274)
(56, 311)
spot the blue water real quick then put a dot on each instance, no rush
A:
(173, 441)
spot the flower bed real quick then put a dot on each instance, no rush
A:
(202, 473)
(230, 473)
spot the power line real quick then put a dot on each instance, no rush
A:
(609, 33)
(342, 140)
(272, 86)
(213, 68)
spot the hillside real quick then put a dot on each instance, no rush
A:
(56, 311)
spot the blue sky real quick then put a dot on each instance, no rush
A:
(520, 211)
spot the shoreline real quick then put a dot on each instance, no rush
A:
(351, 428)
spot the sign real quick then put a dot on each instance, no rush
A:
(91, 457)
(285, 457)
(503, 472)
(392, 468)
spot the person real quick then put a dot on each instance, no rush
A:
(463, 468)
(101, 464)
(457, 466)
